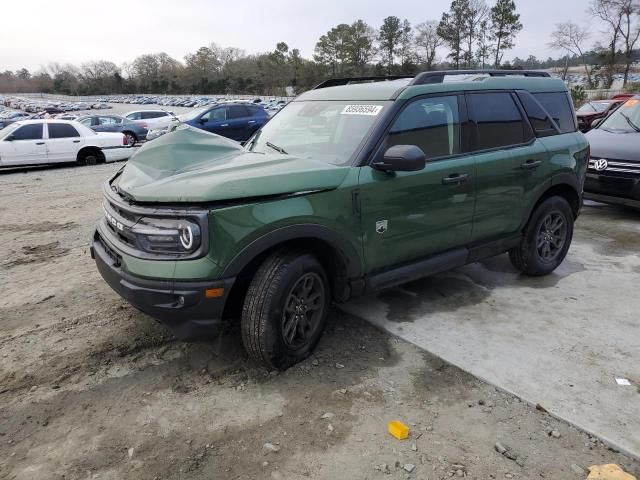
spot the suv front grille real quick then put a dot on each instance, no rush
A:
(624, 167)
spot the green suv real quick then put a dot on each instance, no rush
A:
(355, 186)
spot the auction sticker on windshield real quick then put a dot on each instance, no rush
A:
(361, 110)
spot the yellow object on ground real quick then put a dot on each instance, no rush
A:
(610, 471)
(399, 430)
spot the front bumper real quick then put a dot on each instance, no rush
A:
(608, 188)
(181, 306)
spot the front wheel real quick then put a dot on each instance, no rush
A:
(285, 309)
(546, 240)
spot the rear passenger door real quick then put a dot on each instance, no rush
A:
(238, 118)
(63, 143)
(508, 159)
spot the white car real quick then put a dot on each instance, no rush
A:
(151, 118)
(36, 142)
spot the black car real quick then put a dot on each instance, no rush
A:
(614, 167)
(134, 131)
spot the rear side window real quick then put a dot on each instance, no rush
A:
(109, 121)
(146, 115)
(237, 111)
(432, 124)
(62, 130)
(498, 121)
(28, 132)
(540, 119)
(559, 107)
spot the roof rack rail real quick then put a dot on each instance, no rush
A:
(438, 76)
(335, 82)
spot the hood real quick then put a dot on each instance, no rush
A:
(615, 146)
(191, 165)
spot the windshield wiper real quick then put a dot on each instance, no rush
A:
(276, 148)
(630, 122)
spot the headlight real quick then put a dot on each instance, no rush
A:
(172, 236)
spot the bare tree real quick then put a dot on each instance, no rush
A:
(428, 41)
(629, 31)
(611, 15)
(571, 38)
(477, 14)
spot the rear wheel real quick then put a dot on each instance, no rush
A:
(285, 309)
(547, 238)
(90, 157)
(131, 139)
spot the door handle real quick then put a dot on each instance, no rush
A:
(455, 178)
(76, 141)
(252, 121)
(224, 125)
(39, 143)
(531, 164)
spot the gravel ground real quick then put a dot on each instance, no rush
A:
(92, 388)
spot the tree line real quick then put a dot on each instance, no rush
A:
(473, 34)
(619, 29)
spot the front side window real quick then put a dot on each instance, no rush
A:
(433, 124)
(329, 131)
(215, 115)
(498, 121)
(133, 116)
(28, 132)
(86, 121)
(62, 130)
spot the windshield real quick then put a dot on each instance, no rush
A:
(591, 107)
(625, 119)
(193, 114)
(329, 131)
(8, 129)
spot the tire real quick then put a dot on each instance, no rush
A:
(90, 158)
(279, 297)
(546, 240)
(131, 138)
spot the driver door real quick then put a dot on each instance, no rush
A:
(407, 216)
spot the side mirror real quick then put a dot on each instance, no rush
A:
(10, 138)
(202, 121)
(402, 158)
(596, 122)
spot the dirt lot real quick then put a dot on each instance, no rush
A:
(91, 388)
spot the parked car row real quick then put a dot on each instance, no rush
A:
(271, 105)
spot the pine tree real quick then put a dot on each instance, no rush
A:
(505, 25)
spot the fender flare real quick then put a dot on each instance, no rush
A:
(564, 178)
(346, 249)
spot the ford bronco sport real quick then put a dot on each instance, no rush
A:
(355, 186)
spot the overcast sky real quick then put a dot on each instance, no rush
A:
(36, 32)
